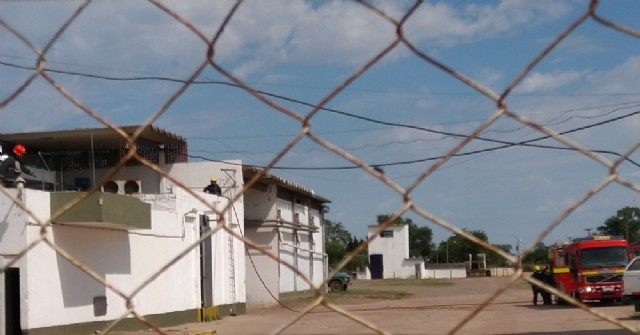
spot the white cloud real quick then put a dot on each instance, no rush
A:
(138, 36)
(440, 23)
(619, 79)
(546, 82)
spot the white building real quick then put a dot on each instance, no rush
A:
(284, 219)
(389, 253)
(142, 240)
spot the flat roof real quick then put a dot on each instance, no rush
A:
(88, 138)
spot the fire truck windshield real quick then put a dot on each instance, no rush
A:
(604, 257)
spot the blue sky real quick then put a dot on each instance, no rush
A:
(303, 50)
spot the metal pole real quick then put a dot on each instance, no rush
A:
(447, 251)
(518, 240)
(3, 308)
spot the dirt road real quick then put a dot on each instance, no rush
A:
(430, 310)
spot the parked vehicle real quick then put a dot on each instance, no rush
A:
(631, 280)
(340, 282)
(590, 268)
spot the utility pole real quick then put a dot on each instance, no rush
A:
(518, 240)
(447, 251)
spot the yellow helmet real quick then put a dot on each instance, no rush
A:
(536, 268)
(214, 179)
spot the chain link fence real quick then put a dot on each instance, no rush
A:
(305, 131)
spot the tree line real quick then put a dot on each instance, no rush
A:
(339, 242)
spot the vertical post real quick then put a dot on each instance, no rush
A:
(447, 251)
(3, 322)
(518, 240)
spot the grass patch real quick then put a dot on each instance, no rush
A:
(412, 282)
(349, 295)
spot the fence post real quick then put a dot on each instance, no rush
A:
(3, 322)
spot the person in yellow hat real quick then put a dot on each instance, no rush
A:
(540, 273)
(213, 187)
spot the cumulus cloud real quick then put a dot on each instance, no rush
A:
(138, 36)
(445, 25)
(547, 82)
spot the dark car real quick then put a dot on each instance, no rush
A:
(339, 282)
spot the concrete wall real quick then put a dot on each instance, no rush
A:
(260, 205)
(55, 292)
(501, 272)
(445, 273)
(296, 247)
(395, 250)
(262, 271)
(195, 176)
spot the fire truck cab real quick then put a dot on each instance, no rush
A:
(590, 268)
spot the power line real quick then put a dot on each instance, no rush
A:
(266, 93)
(504, 144)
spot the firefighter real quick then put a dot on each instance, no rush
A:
(537, 274)
(547, 279)
(12, 167)
(213, 187)
(542, 274)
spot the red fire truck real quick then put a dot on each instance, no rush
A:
(590, 268)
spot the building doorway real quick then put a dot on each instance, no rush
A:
(12, 301)
(376, 266)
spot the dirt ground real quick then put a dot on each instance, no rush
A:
(428, 310)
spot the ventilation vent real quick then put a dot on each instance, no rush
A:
(121, 186)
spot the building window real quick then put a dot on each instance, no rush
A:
(386, 233)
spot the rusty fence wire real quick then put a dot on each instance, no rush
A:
(305, 130)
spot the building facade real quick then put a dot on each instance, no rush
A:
(143, 234)
(389, 253)
(285, 220)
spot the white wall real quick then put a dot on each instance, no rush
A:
(126, 259)
(262, 271)
(261, 206)
(319, 257)
(395, 251)
(13, 237)
(287, 260)
(194, 175)
(445, 273)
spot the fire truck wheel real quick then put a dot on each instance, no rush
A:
(636, 306)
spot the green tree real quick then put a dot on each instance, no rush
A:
(539, 255)
(419, 237)
(456, 249)
(335, 232)
(625, 223)
(336, 239)
(361, 259)
(339, 243)
(493, 259)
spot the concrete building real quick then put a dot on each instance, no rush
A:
(389, 253)
(139, 233)
(284, 219)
